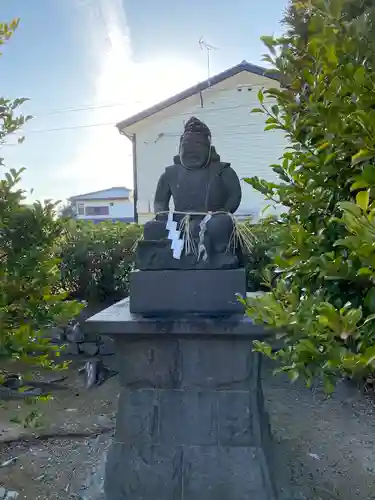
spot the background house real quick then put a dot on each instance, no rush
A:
(115, 204)
(224, 103)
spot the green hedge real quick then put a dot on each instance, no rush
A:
(265, 236)
(97, 258)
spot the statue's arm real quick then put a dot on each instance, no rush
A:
(162, 195)
(233, 187)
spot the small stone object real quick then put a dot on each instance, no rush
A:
(89, 348)
(74, 334)
(11, 495)
(96, 373)
(11, 461)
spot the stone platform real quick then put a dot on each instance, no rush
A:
(200, 291)
(191, 424)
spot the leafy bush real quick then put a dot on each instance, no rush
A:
(30, 298)
(324, 295)
(259, 259)
(97, 258)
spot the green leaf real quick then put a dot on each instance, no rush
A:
(370, 300)
(257, 110)
(270, 43)
(358, 185)
(369, 319)
(347, 206)
(362, 155)
(261, 96)
(362, 199)
(331, 54)
(364, 271)
(328, 383)
(272, 126)
(360, 75)
(369, 355)
(368, 173)
(324, 145)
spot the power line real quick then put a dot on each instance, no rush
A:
(87, 108)
(91, 107)
(73, 127)
(199, 112)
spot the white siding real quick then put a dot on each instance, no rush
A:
(238, 136)
(119, 209)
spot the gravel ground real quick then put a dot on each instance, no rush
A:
(324, 447)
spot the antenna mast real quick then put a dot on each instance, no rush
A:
(207, 47)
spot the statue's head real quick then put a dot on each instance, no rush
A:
(195, 144)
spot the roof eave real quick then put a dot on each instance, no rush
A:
(200, 87)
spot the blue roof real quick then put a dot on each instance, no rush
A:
(113, 192)
(200, 87)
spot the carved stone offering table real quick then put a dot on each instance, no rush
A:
(191, 423)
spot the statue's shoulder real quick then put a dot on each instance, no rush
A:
(222, 167)
(171, 169)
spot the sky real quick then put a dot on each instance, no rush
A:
(87, 64)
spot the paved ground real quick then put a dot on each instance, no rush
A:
(325, 447)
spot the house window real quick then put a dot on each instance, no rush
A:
(80, 209)
(103, 210)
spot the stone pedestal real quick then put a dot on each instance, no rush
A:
(198, 291)
(191, 424)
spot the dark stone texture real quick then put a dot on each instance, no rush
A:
(156, 255)
(236, 426)
(188, 418)
(220, 364)
(118, 320)
(195, 291)
(106, 346)
(191, 423)
(138, 417)
(149, 364)
(143, 472)
(225, 473)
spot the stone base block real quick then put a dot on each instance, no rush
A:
(163, 472)
(209, 292)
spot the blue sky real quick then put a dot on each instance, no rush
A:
(98, 55)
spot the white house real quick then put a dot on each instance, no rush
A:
(224, 103)
(114, 204)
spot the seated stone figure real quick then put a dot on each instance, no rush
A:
(199, 184)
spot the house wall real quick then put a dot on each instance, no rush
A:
(119, 209)
(238, 136)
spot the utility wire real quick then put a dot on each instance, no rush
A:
(91, 107)
(200, 112)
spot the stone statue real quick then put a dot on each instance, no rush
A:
(205, 193)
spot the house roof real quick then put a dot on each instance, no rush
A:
(243, 66)
(113, 192)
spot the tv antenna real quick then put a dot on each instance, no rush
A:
(207, 47)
